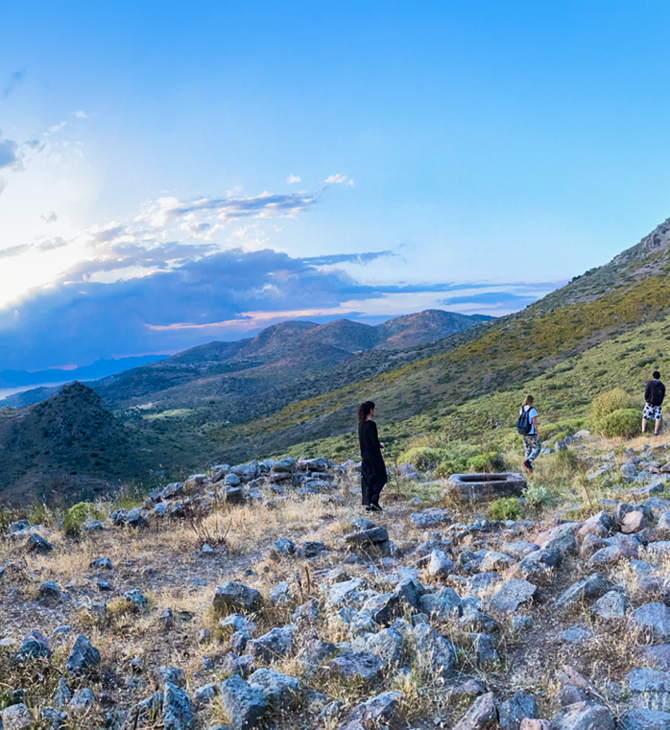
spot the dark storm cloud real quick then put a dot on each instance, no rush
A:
(81, 321)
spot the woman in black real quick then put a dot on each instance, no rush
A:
(373, 469)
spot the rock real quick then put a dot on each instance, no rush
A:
(232, 480)
(484, 648)
(641, 719)
(341, 593)
(166, 618)
(494, 561)
(482, 583)
(633, 522)
(239, 641)
(527, 724)
(101, 564)
(650, 688)
(591, 545)
(583, 716)
(235, 596)
(281, 690)
(312, 548)
(521, 623)
(280, 594)
(278, 642)
(356, 665)
(82, 700)
(383, 607)
(284, 546)
(62, 695)
(512, 594)
(172, 675)
(611, 607)
(434, 653)
(568, 694)
(440, 565)
(84, 656)
(482, 715)
(562, 539)
(593, 586)
(372, 536)
(386, 644)
(244, 705)
(380, 709)
(445, 604)
(657, 656)
(576, 634)
(513, 711)
(306, 614)
(519, 549)
(136, 598)
(37, 544)
(34, 646)
(598, 525)
(430, 518)
(612, 554)
(16, 717)
(234, 495)
(651, 622)
(315, 652)
(205, 694)
(538, 567)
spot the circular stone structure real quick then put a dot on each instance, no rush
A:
(484, 486)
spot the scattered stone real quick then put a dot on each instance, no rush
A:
(583, 716)
(244, 705)
(16, 717)
(482, 715)
(380, 709)
(513, 594)
(82, 700)
(650, 688)
(136, 598)
(642, 719)
(84, 656)
(434, 653)
(235, 596)
(652, 622)
(34, 646)
(172, 675)
(593, 586)
(281, 690)
(278, 642)
(430, 518)
(440, 565)
(513, 711)
(356, 665)
(611, 607)
(371, 536)
(37, 544)
(538, 566)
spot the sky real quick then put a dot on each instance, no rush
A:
(174, 173)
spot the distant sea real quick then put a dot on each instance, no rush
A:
(4, 392)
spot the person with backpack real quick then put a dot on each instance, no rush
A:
(373, 468)
(654, 394)
(527, 427)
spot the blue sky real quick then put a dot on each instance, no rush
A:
(469, 156)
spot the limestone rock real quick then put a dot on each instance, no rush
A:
(482, 715)
(84, 656)
(513, 711)
(235, 596)
(356, 665)
(593, 586)
(380, 709)
(583, 716)
(278, 642)
(16, 717)
(433, 651)
(652, 622)
(611, 607)
(281, 690)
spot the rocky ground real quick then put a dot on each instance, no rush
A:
(263, 596)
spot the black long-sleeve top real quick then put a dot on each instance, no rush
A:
(371, 451)
(654, 393)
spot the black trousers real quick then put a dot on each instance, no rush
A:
(371, 487)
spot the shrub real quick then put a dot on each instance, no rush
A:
(611, 401)
(74, 518)
(505, 508)
(537, 496)
(488, 462)
(625, 422)
(423, 458)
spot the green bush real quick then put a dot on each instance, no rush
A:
(74, 518)
(610, 402)
(537, 496)
(423, 458)
(626, 422)
(505, 508)
(491, 461)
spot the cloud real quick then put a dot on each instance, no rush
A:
(497, 297)
(80, 320)
(9, 153)
(347, 258)
(335, 180)
(52, 244)
(80, 114)
(51, 218)
(14, 251)
(291, 179)
(15, 80)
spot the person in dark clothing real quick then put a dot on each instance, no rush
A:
(373, 469)
(654, 394)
